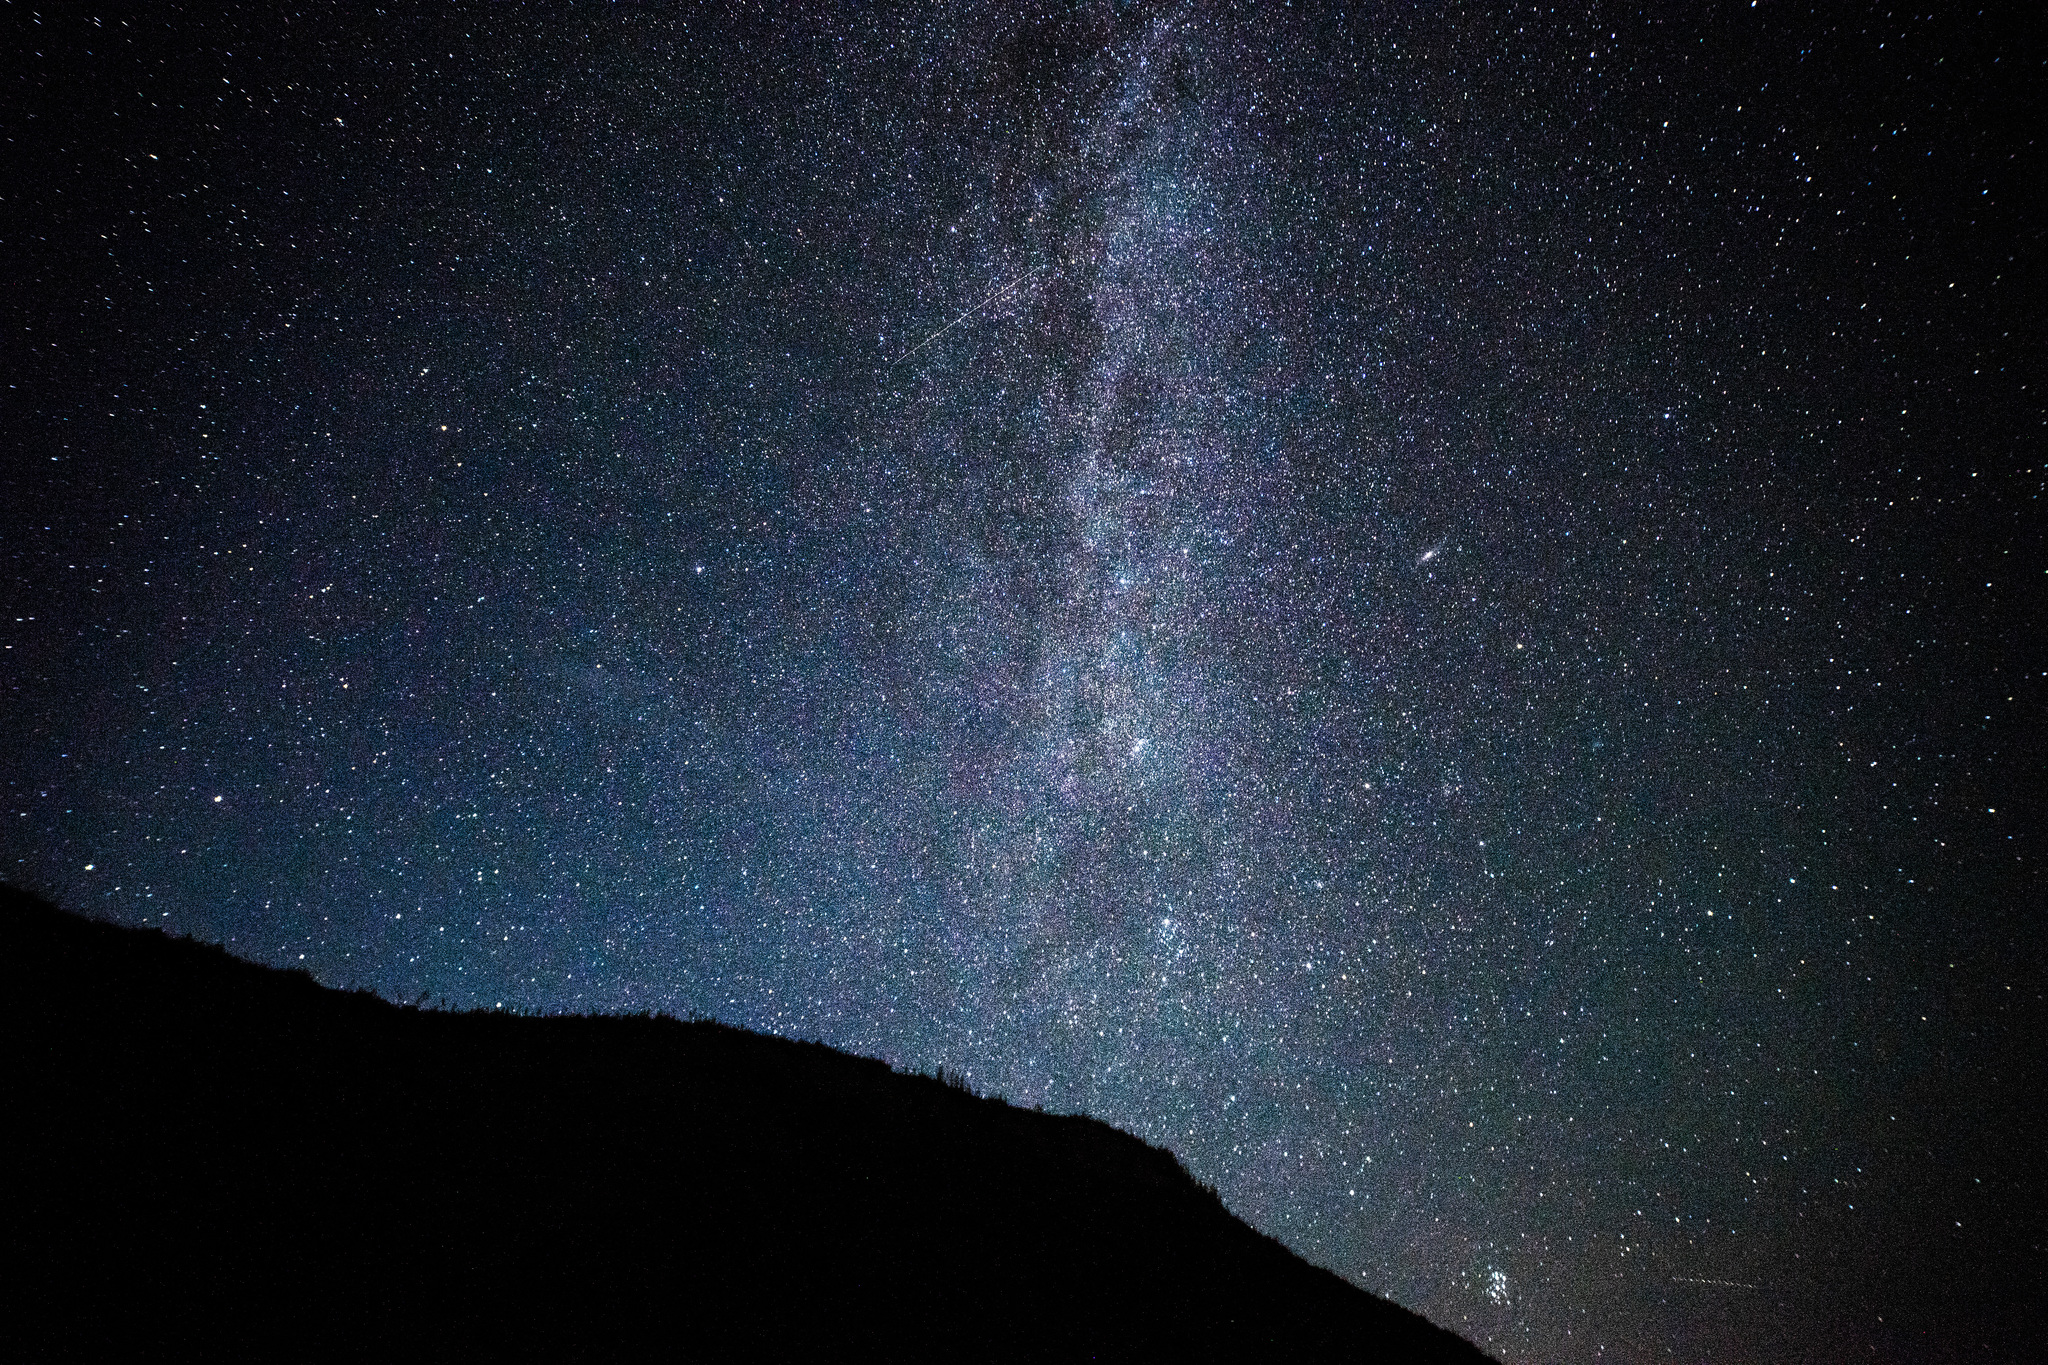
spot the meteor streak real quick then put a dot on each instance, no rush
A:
(995, 295)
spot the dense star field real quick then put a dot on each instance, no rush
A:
(1437, 611)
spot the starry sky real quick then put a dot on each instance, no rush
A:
(1436, 608)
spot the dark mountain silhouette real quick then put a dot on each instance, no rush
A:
(222, 1160)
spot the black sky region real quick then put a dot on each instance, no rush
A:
(1435, 607)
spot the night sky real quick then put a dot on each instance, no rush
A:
(1438, 611)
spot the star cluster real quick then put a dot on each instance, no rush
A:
(1429, 609)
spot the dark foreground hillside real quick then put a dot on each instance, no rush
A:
(219, 1159)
